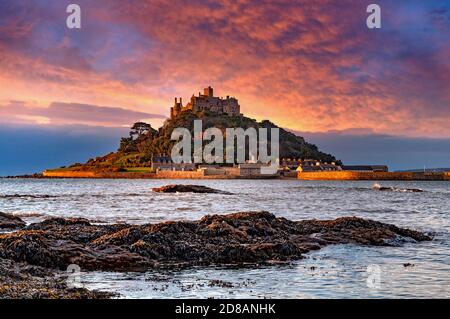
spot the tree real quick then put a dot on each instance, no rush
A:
(139, 129)
(127, 145)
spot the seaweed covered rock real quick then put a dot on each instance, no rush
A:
(189, 189)
(23, 281)
(8, 221)
(239, 238)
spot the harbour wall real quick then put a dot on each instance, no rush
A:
(93, 174)
(337, 175)
(202, 174)
(374, 176)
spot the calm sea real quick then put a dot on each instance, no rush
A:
(334, 272)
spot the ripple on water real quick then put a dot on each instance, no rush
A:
(334, 272)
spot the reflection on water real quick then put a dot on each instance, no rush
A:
(336, 271)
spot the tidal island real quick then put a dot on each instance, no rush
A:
(145, 153)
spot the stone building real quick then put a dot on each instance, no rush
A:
(208, 102)
(255, 169)
(290, 164)
(165, 163)
(309, 165)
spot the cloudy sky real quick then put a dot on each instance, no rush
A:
(310, 66)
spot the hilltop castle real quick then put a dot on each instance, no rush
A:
(207, 102)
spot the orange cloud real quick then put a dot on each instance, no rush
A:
(310, 66)
(59, 113)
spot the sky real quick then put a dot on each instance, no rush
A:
(375, 96)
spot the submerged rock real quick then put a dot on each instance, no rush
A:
(239, 238)
(8, 221)
(378, 187)
(406, 190)
(189, 189)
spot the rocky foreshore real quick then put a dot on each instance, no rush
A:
(35, 175)
(24, 281)
(238, 239)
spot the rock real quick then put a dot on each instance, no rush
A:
(396, 189)
(28, 196)
(189, 189)
(406, 190)
(240, 238)
(8, 221)
(22, 281)
(35, 175)
(220, 283)
(383, 189)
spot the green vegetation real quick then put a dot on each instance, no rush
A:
(291, 146)
(135, 152)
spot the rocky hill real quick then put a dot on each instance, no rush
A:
(145, 142)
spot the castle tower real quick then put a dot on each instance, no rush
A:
(209, 92)
(177, 107)
(207, 102)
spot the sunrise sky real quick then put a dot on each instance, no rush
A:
(309, 66)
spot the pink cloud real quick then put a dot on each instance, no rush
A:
(305, 65)
(71, 113)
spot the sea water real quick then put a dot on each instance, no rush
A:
(418, 270)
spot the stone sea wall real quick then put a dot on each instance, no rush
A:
(186, 175)
(136, 175)
(93, 174)
(349, 175)
(205, 175)
(339, 175)
(158, 175)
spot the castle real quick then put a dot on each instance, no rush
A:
(207, 102)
